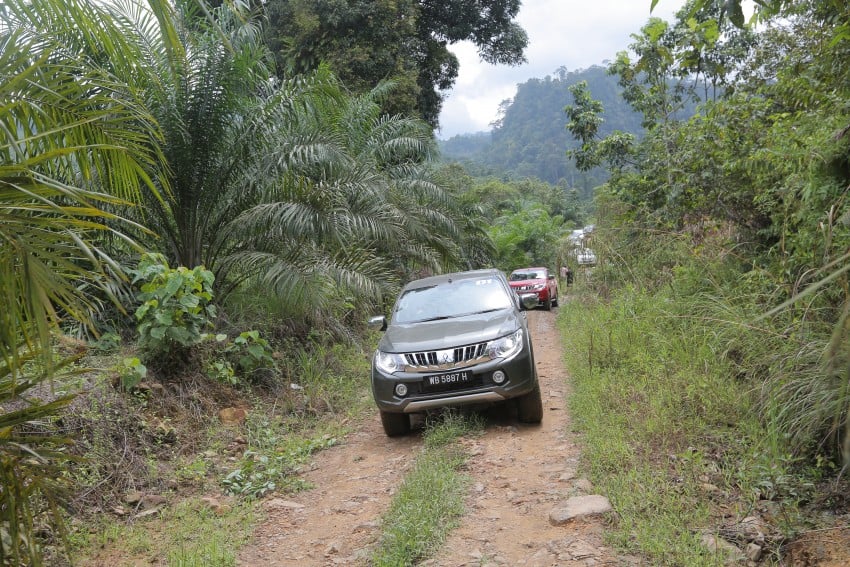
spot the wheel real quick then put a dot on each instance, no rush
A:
(547, 305)
(395, 424)
(529, 407)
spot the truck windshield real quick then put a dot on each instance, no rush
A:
(451, 299)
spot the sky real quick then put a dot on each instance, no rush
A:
(576, 34)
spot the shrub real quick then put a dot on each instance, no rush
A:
(175, 307)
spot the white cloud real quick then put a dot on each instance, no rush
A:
(572, 33)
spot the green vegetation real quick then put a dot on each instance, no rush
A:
(150, 127)
(678, 431)
(276, 449)
(187, 534)
(715, 352)
(528, 220)
(429, 501)
(755, 186)
(710, 354)
(64, 130)
(176, 308)
(661, 421)
(407, 42)
(263, 455)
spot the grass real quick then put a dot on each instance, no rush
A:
(187, 534)
(661, 420)
(429, 503)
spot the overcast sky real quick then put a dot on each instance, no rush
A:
(574, 33)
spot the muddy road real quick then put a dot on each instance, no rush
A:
(519, 474)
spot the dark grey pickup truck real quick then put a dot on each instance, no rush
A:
(455, 339)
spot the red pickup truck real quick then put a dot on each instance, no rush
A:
(538, 281)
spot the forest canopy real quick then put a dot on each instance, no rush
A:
(366, 41)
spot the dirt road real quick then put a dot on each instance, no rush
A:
(519, 472)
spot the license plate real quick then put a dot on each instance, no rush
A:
(448, 380)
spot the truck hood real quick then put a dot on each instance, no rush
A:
(449, 333)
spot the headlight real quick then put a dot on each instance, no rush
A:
(506, 347)
(388, 362)
(538, 286)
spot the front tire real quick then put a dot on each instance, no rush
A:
(395, 424)
(529, 407)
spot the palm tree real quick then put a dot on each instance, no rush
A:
(74, 141)
(296, 183)
(355, 206)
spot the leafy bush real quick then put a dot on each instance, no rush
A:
(243, 357)
(221, 371)
(251, 352)
(107, 342)
(176, 306)
(131, 371)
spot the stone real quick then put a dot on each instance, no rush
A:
(133, 497)
(753, 528)
(211, 502)
(146, 513)
(281, 504)
(723, 548)
(753, 552)
(568, 474)
(579, 507)
(151, 501)
(232, 416)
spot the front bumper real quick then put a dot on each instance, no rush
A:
(541, 294)
(520, 372)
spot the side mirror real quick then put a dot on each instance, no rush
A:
(529, 300)
(378, 323)
(551, 276)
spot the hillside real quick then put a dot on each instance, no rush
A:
(531, 138)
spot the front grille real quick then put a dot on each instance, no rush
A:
(460, 357)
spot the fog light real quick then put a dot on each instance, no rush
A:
(499, 377)
(401, 390)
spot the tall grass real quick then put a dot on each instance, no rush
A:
(690, 398)
(794, 358)
(662, 419)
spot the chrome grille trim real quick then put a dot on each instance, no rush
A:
(448, 359)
